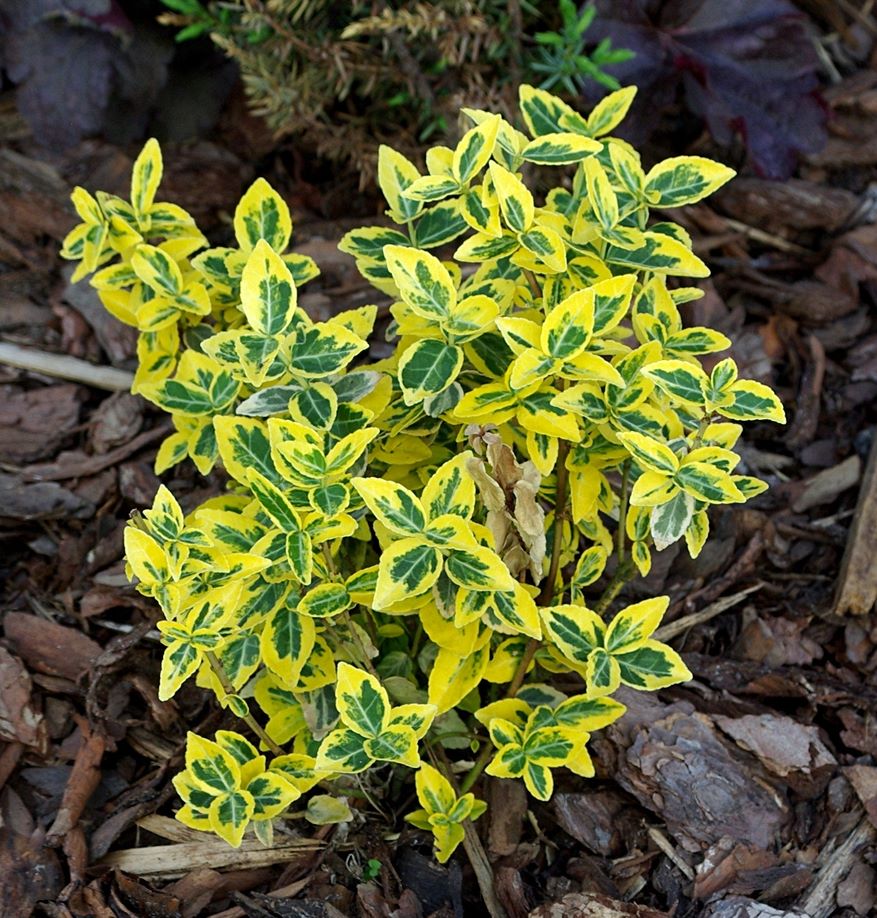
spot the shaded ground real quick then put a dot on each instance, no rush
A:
(752, 791)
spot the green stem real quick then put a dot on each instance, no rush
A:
(701, 430)
(487, 749)
(418, 637)
(623, 574)
(545, 599)
(248, 719)
(371, 624)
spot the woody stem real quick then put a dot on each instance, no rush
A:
(545, 598)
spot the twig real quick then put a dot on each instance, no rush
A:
(560, 497)
(63, 366)
(623, 573)
(857, 583)
(483, 870)
(673, 629)
(248, 719)
(661, 840)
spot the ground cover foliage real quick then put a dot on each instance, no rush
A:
(711, 799)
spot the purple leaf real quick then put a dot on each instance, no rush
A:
(64, 79)
(746, 67)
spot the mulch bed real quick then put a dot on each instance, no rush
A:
(750, 792)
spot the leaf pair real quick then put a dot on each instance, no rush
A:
(623, 652)
(226, 785)
(373, 730)
(444, 812)
(429, 535)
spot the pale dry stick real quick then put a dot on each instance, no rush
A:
(759, 235)
(472, 845)
(661, 840)
(175, 860)
(62, 366)
(674, 629)
(483, 871)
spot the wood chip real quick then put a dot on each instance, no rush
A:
(48, 647)
(44, 500)
(857, 584)
(783, 745)
(19, 720)
(591, 905)
(179, 859)
(82, 783)
(33, 423)
(835, 861)
(864, 781)
(679, 767)
(825, 486)
(79, 464)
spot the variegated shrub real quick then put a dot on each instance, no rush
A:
(408, 549)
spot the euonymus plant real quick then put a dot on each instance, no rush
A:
(406, 551)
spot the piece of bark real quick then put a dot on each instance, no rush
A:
(864, 781)
(33, 423)
(77, 464)
(436, 887)
(507, 808)
(836, 859)
(512, 892)
(857, 583)
(44, 500)
(793, 204)
(678, 767)
(84, 779)
(116, 421)
(146, 901)
(197, 889)
(48, 647)
(783, 745)
(592, 905)
(603, 821)
(857, 890)
(826, 486)
(19, 720)
(809, 301)
(741, 907)
(776, 641)
(852, 260)
(728, 867)
(29, 871)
